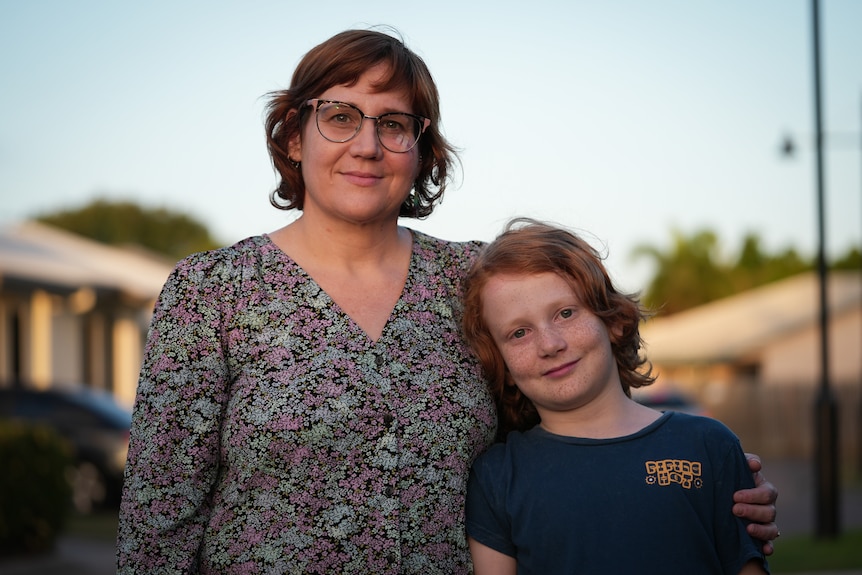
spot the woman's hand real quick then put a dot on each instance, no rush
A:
(758, 506)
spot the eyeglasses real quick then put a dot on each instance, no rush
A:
(339, 122)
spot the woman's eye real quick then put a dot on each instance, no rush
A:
(396, 124)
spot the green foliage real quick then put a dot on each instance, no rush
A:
(122, 223)
(686, 275)
(810, 554)
(755, 268)
(851, 261)
(693, 271)
(34, 492)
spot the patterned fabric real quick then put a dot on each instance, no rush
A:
(271, 435)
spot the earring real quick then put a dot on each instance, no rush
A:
(293, 163)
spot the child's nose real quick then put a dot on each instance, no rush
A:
(552, 341)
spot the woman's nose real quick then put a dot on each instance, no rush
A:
(366, 143)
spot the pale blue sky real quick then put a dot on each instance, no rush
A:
(621, 117)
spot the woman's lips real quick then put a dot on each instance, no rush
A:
(362, 178)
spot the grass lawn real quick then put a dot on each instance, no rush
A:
(807, 553)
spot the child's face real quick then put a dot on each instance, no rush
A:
(558, 352)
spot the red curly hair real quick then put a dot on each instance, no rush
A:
(528, 247)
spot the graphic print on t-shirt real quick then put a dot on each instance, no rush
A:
(668, 471)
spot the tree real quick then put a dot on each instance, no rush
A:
(754, 268)
(693, 271)
(852, 260)
(687, 275)
(123, 223)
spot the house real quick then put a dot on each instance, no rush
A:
(754, 361)
(74, 311)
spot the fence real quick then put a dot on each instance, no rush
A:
(778, 421)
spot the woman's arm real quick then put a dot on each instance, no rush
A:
(173, 451)
(487, 561)
(758, 506)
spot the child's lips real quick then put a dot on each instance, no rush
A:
(561, 369)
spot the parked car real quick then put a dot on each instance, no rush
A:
(668, 400)
(97, 429)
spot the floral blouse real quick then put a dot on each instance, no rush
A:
(271, 435)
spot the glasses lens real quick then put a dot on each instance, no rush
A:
(398, 132)
(338, 122)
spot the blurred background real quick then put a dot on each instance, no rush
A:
(678, 136)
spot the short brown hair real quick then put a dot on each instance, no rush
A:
(530, 247)
(341, 60)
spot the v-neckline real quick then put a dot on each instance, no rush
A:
(408, 281)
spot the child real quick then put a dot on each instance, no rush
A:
(561, 348)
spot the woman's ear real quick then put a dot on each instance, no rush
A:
(294, 145)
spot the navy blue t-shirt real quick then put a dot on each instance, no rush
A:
(657, 501)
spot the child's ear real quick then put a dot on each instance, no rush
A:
(509, 381)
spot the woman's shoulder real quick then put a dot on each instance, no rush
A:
(435, 248)
(217, 269)
(248, 251)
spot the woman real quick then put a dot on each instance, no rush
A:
(306, 403)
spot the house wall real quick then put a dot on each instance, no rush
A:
(795, 360)
(53, 339)
(128, 351)
(37, 331)
(67, 357)
(769, 398)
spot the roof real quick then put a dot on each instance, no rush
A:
(35, 253)
(734, 327)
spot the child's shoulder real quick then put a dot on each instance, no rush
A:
(699, 425)
(516, 444)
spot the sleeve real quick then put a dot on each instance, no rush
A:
(734, 545)
(174, 442)
(486, 519)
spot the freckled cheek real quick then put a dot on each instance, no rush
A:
(519, 362)
(588, 334)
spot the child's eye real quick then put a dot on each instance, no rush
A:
(519, 333)
(566, 313)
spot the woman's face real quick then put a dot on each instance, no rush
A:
(358, 181)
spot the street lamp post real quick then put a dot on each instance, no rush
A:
(826, 412)
(859, 420)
